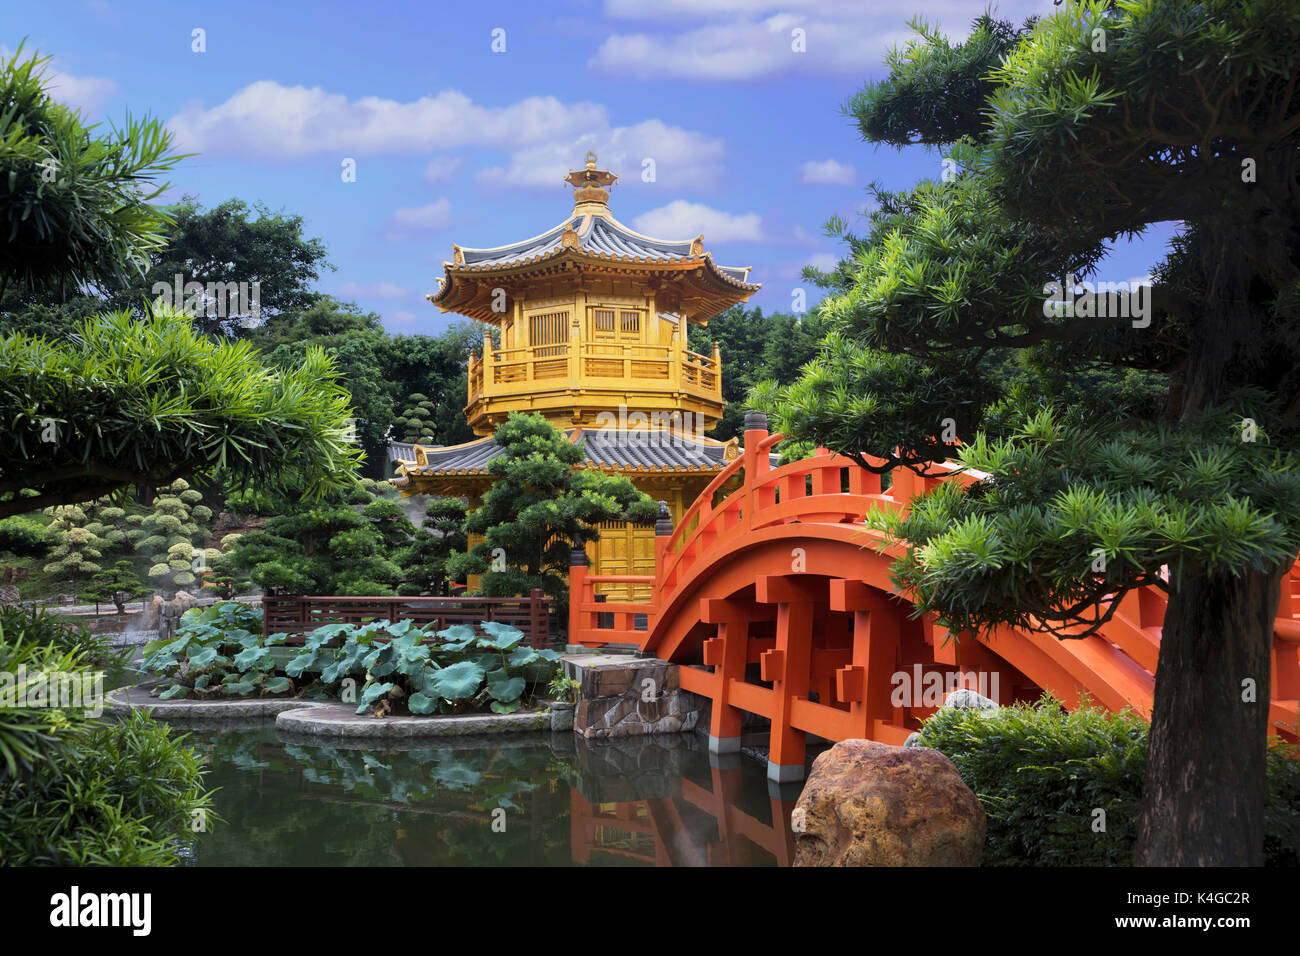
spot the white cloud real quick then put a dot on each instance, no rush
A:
(373, 290)
(681, 219)
(681, 158)
(441, 168)
(270, 120)
(543, 137)
(828, 171)
(743, 39)
(403, 318)
(436, 215)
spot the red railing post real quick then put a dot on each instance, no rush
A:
(755, 432)
(578, 570)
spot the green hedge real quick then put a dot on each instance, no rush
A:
(1041, 772)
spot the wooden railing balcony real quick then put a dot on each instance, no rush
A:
(595, 365)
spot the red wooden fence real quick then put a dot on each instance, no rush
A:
(299, 614)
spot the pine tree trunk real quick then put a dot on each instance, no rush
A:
(1203, 793)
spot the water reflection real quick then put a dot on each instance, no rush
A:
(542, 800)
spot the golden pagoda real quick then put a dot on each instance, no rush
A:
(591, 318)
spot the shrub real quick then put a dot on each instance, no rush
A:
(77, 790)
(1041, 772)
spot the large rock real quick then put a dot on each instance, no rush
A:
(870, 804)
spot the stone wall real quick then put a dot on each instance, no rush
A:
(625, 696)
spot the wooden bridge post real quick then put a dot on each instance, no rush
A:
(726, 653)
(866, 683)
(578, 569)
(788, 665)
(756, 463)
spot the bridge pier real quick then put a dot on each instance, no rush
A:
(788, 666)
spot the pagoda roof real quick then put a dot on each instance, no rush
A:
(591, 238)
(615, 450)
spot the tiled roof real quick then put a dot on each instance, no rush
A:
(596, 235)
(653, 451)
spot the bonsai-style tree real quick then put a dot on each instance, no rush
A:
(1126, 448)
(111, 584)
(417, 420)
(172, 533)
(327, 548)
(79, 549)
(424, 561)
(541, 503)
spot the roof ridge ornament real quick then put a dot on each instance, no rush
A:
(589, 183)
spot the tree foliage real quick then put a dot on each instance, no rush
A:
(130, 401)
(540, 504)
(74, 206)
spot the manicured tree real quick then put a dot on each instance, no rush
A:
(25, 538)
(424, 561)
(111, 583)
(79, 549)
(541, 503)
(173, 531)
(417, 420)
(223, 578)
(1102, 120)
(325, 548)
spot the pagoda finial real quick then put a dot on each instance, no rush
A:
(590, 185)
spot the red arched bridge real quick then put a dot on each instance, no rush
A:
(777, 602)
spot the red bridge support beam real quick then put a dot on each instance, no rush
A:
(727, 654)
(787, 665)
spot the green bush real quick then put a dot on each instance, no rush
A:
(78, 790)
(1041, 772)
(64, 635)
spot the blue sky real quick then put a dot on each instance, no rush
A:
(455, 142)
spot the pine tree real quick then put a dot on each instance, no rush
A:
(1120, 449)
(540, 504)
(424, 561)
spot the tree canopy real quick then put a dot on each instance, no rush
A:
(129, 400)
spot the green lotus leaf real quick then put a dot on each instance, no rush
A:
(507, 690)
(457, 637)
(204, 657)
(500, 636)
(372, 692)
(522, 657)
(175, 690)
(201, 682)
(239, 688)
(278, 685)
(503, 707)
(458, 681)
(253, 658)
(422, 703)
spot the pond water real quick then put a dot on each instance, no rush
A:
(540, 799)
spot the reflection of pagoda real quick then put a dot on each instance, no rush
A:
(592, 324)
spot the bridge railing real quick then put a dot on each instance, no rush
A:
(824, 488)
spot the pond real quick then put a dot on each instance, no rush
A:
(539, 800)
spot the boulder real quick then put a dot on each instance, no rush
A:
(870, 804)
